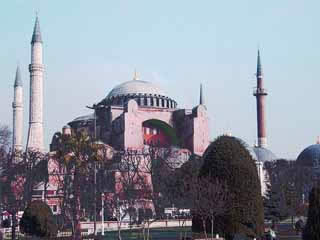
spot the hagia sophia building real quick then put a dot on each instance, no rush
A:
(134, 114)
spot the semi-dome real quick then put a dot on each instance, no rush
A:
(310, 156)
(264, 154)
(136, 87)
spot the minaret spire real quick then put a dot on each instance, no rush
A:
(18, 82)
(17, 107)
(259, 66)
(36, 69)
(36, 36)
(260, 93)
(201, 102)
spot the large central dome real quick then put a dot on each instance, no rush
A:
(136, 87)
(145, 93)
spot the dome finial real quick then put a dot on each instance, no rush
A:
(136, 76)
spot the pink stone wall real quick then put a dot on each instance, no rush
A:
(201, 131)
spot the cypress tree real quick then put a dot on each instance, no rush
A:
(312, 228)
(228, 160)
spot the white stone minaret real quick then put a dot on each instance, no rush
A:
(17, 107)
(36, 69)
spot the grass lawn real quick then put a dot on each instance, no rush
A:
(156, 234)
(289, 238)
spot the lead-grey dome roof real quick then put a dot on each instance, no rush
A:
(264, 154)
(310, 156)
(136, 87)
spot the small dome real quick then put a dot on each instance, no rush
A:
(264, 154)
(310, 156)
(252, 153)
(84, 118)
(136, 87)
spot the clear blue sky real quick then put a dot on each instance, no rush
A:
(90, 46)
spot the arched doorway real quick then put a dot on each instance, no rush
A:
(158, 133)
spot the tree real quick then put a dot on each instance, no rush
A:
(37, 220)
(272, 205)
(21, 172)
(290, 183)
(76, 158)
(73, 156)
(228, 160)
(312, 228)
(176, 183)
(209, 200)
(133, 186)
(5, 135)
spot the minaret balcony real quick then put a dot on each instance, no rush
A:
(259, 91)
(36, 67)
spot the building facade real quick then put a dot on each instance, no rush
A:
(137, 113)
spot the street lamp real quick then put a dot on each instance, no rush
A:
(102, 214)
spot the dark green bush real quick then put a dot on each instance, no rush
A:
(228, 160)
(312, 228)
(37, 220)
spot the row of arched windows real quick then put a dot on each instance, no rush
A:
(148, 101)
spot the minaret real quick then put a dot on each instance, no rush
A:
(36, 69)
(260, 93)
(201, 102)
(17, 107)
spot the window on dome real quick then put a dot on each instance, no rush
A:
(157, 102)
(152, 102)
(162, 102)
(145, 101)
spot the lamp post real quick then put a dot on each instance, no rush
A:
(102, 213)
(95, 175)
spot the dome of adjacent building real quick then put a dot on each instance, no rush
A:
(264, 154)
(310, 156)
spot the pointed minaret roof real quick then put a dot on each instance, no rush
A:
(18, 81)
(201, 96)
(36, 36)
(259, 66)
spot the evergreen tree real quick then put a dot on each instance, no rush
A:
(227, 159)
(274, 205)
(312, 228)
(37, 220)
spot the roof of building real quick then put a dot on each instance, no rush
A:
(84, 118)
(264, 154)
(310, 156)
(136, 87)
